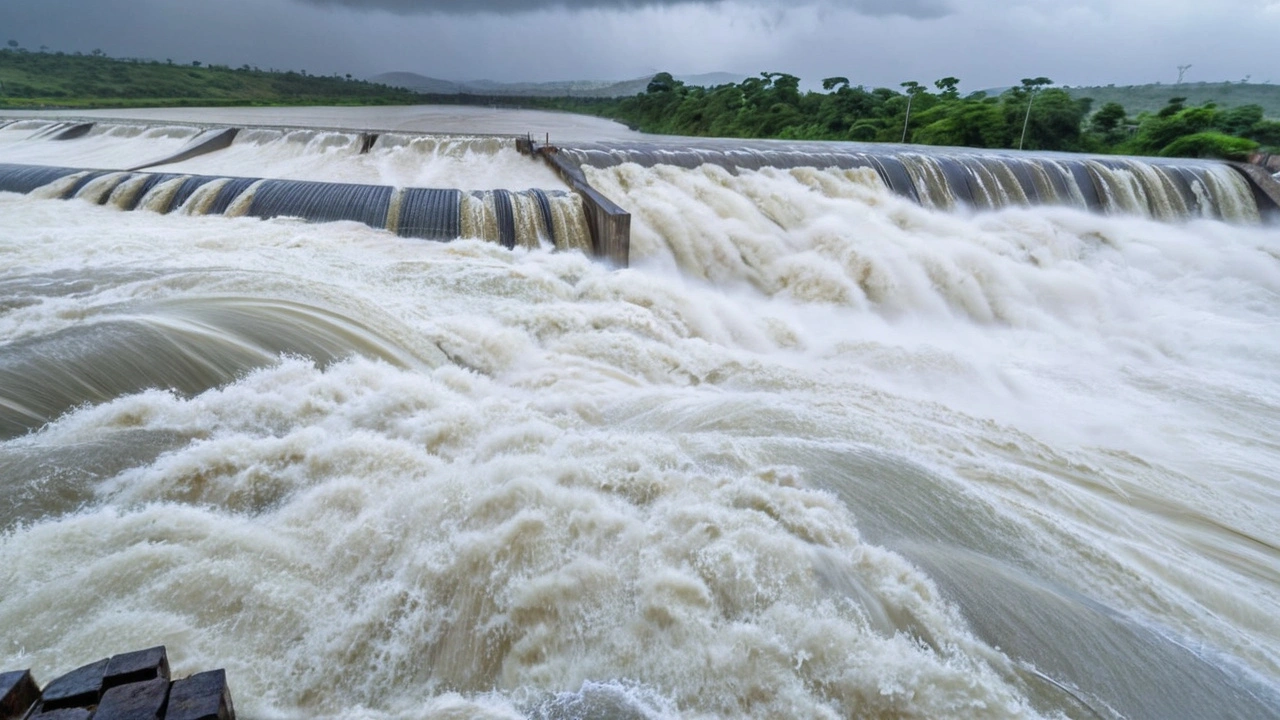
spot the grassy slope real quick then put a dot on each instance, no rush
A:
(569, 88)
(47, 79)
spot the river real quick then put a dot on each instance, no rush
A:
(819, 452)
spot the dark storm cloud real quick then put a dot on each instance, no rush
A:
(922, 9)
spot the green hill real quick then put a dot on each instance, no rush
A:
(566, 88)
(1151, 98)
(31, 79)
(490, 88)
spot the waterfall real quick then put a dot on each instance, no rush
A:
(949, 178)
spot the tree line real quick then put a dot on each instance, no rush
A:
(1032, 115)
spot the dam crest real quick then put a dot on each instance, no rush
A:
(577, 216)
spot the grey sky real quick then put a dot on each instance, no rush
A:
(875, 42)
(909, 8)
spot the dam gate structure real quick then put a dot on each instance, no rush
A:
(580, 217)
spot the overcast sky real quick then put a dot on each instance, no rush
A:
(986, 43)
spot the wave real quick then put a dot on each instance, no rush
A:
(821, 451)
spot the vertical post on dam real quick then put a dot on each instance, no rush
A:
(609, 224)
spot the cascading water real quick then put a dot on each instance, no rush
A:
(823, 451)
(946, 178)
(319, 176)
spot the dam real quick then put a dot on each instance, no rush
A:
(846, 431)
(946, 179)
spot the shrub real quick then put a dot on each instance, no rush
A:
(1210, 145)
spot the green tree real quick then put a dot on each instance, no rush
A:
(1239, 120)
(1108, 119)
(1028, 91)
(1156, 132)
(913, 91)
(976, 122)
(948, 87)
(662, 82)
(1175, 106)
(1211, 145)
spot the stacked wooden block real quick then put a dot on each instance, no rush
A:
(132, 686)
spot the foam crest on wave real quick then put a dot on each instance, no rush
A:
(839, 237)
(449, 535)
(701, 496)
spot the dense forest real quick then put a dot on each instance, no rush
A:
(1033, 115)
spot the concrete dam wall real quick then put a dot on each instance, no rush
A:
(524, 218)
(579, 216)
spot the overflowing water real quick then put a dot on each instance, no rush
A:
(823, 451)
(316, 176)
(947, 178)
(116, 146)
(465, 163)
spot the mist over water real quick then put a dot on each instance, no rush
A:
(821, 452)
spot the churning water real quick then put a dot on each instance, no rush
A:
(821, 452)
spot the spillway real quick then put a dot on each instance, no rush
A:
(875, 433)
(951, 178)
(524, 218)
(303, 159)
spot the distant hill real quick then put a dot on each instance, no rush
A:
(46, 79)
(1150, 98)
(417, 83)
(573, 88)
(711, 79)
(568, 88)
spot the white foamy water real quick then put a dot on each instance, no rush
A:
(111, 147)
(465, 163)
(448, 119)
(820, 453)
(404, 160)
